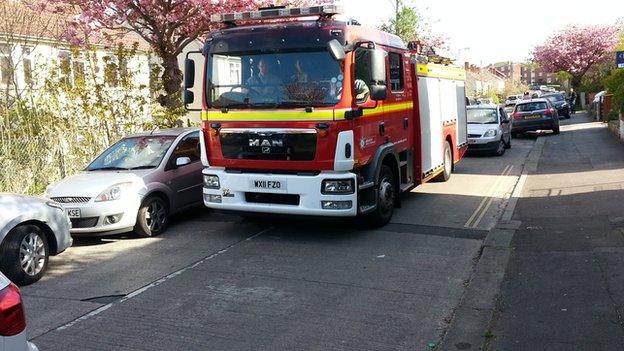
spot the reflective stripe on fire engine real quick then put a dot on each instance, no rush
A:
(273, 115)
(278, 115)
(388, 108)
(440, 71)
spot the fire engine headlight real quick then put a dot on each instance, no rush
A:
(211, 181)
(490, 133)
(337, 186)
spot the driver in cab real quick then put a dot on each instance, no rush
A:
(264, 82)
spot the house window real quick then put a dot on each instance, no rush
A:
(6, 65)
(65, 67)
(28, 65)
(79, 71)
(396, 71)
(111, 73)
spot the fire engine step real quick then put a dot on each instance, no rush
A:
(366, 185)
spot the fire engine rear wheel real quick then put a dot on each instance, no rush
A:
(386, 199)
(448, 164)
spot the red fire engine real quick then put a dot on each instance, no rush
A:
(309, 113)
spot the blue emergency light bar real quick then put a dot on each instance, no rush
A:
(272, 13)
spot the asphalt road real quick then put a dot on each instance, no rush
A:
(220, 282)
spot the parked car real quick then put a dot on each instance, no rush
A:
(12, 319)
(560, 103)
(511, 99)
(488, 129)
(31, 229)
(134, 185)
(533, 115)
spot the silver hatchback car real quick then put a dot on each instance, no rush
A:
(135, 184)
(31, 229)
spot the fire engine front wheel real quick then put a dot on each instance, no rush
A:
(386, 199)
(448, 164)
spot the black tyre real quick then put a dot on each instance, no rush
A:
(500, 148)
(448, 164)
(24, 254)
(386, 199)
(152, 218)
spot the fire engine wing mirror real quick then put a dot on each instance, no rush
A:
(377, 74)
(189, 73)
(336, 50)
(189, 82)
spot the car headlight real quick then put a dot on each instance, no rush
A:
(211, 181)
(114, 192)
(55, 205)
(490, 133)
(337, 186)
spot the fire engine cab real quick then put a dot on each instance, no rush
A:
(306, 112)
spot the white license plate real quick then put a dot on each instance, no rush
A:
(73, 212)
(269, 184)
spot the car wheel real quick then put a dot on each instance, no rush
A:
(24, 254)
(448, 164)
(386, 199)
(152, 218)
(500, 149)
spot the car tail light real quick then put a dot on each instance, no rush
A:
(516, 115)
(12, 319)
(549, 112)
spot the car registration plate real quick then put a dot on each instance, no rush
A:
(533, 117)
(73, 212)
(269, 184)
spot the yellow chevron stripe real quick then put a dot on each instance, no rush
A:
(279, 115)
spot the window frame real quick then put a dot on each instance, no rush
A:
(401, 72)
(172, 159)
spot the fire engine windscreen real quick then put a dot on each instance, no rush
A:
(272, 80)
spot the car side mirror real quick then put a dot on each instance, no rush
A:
(377, 74)
(182, 161)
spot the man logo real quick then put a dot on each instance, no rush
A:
(266, 150)
(266, 143)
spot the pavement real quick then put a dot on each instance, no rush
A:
(428, 280)
(564, 286)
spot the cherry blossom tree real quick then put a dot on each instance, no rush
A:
(167, 25)
(576, 49)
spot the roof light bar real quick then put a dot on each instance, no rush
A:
(271, 13)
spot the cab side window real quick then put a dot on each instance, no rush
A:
(187, 147)
(396, 71)
(360, 86)
(503, 114)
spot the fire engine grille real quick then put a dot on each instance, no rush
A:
(285, 145)
(71, 199)
(84, 222)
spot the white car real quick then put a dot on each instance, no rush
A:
(135, 184)
(489, 129)
(12, 319)
(512, 99)
(31, 229)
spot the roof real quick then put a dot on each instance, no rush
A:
(531, 100)
(19, 20)
(174, 132)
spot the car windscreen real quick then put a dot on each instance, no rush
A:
(482, 116)
(133, 153)
(554, 98)
(531, 106)
(276, 79)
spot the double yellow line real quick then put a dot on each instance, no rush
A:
(485, 204)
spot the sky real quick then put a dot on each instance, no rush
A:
(489, 31)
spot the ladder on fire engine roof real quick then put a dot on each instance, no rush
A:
(275, 12)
